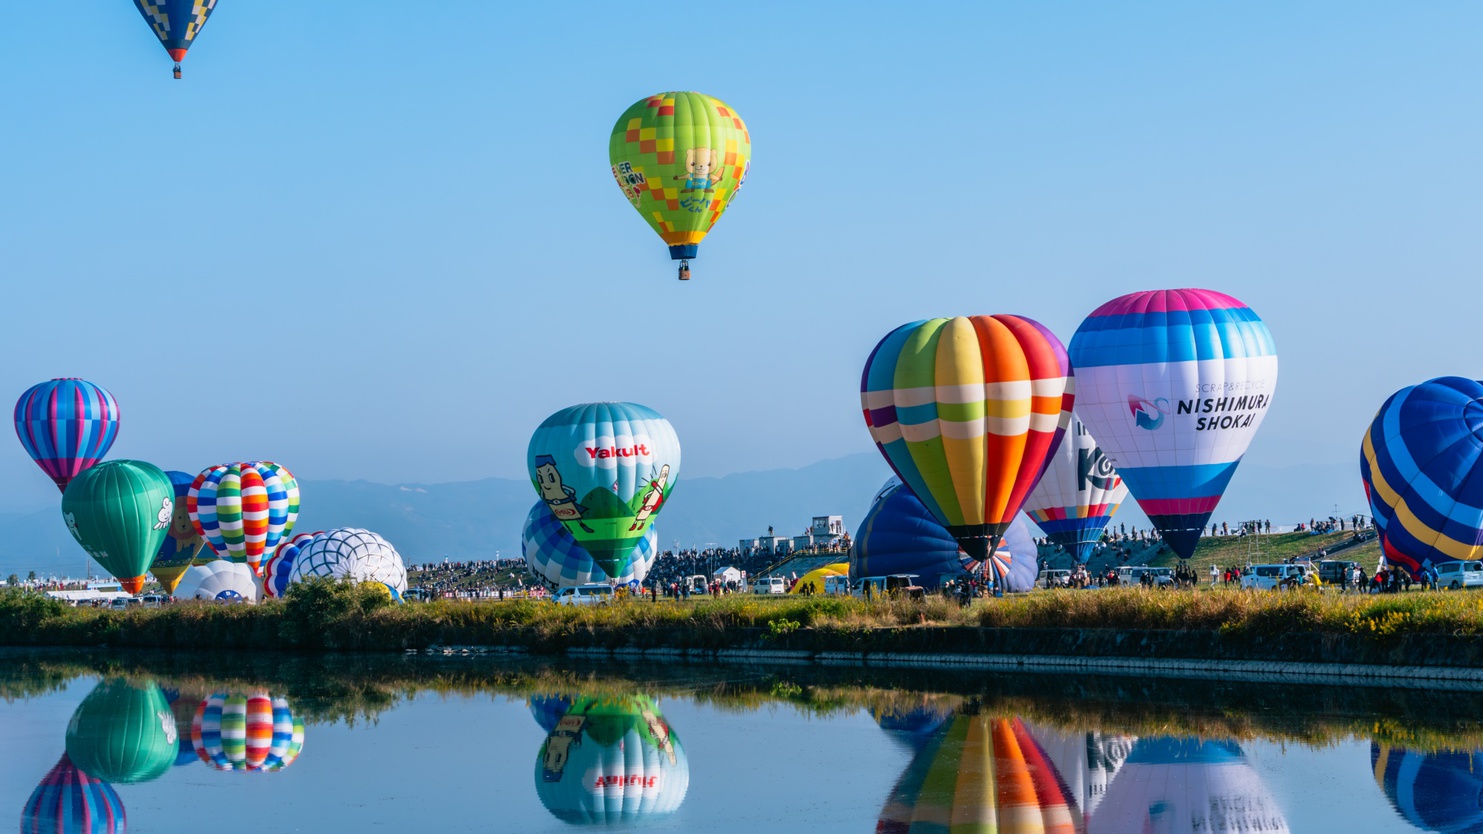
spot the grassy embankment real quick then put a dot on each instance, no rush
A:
(1239, 551)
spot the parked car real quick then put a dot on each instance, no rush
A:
(1133, 575)
(1275, 577)
(770, 585)
(416, 595)
(837, 585)
(594, 594)
(122, 603)
(154, 600)
(1456, 575)
(1335, 571)
(1054, 578)
(895, 584)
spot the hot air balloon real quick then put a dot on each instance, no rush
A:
(553, 553)
(176, 23)
(218, 581)
(244, 509)
(1086, 761)
(1078, 494)
(254, 733)
(967, 411)
(278, 569)
(1174, 384)
(1185, 785)
(1016, 561)
(680, 159)
(548, 709)
(120, 512)
(899, 535)
(123, 733)
(1433, 791)
(914, 726)
(980, 773)
(354, 554)
(817, 577)
(182, 542)
(612, 761)
(69, 801)
(66, 426)
(1420, 461)
(605, 470)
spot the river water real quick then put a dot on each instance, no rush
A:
(266, 744)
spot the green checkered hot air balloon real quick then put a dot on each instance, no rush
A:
(120, 512)
(680, 159)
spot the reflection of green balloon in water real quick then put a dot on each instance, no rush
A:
(123, 733)
(612, 760)
(120, 511)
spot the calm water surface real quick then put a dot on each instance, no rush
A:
(178, 744)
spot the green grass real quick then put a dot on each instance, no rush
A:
(1225, 551)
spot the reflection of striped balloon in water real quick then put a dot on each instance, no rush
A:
(244, 509)
(1185, 785)
(247, 733)
(980, 773)
(69, 801)
(1086, 761)
(1433, 791)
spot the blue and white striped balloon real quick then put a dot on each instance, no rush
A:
(554, 553)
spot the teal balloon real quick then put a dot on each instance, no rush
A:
(123, 733)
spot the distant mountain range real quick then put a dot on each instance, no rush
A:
(476, 519)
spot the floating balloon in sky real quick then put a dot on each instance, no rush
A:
(123, 733)
(1078, 494)
(69, 801)
(279, 568)
(605, 470)
(680, 159)
(899, 535)
(354, 554)
(1174, 384)
(1422, 466)
(1433, 791)
(176, 23)
(256, 733)
(612, 761)
(553, 553)
(967, 411)
(120, 512)
(1183, 786)
(66, 426)
(218, 580)
(244, 509)
(182, 542)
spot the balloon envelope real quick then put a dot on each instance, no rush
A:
(182, 543)
(817, 576)
(899, 535)
(219, 581)
(967, 412)
(247, 733)
(1016, 562)
(1086, 761)
(279, 568)
(680, 159)
(1185, 785)
(244, 509)
(1420, 462)
(354, 554)
(1174, 384)
(123, 733)
(66, 425)
(176, 22)
(548, 709)
(605, 470)
(1078, 494)
(69, 801)
(1433, 791)
(612, 761)
(553, 553)
(120, 512)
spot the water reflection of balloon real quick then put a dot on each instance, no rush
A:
(612, 760)
(1184, 785)
(123, 733)
(1078, 494)
(66, 425)
(967, 412)
(1174, 384)
(548, 709)
(244, 509)
(69, 801)
(899, 535)
(120, 512)
(553, 553)
(1086, 761)
(980, 773)
(218, 581)
(255, 733)
(182, 543)
(605, 470)
(1433, 791)
(354, 554)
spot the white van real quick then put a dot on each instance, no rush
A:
(1274, 577)
(770, 585)
(1455, 575)
(837, 585)
(584, 595)
(1054, 579)
(1133, 575)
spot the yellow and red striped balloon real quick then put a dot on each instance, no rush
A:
(244, 510)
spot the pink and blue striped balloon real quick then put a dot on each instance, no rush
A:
(66, 426)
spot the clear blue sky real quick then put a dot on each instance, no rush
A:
(375, 239)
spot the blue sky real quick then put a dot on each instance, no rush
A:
(379, 240)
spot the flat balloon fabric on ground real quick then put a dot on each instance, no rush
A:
(967, 412)
(1174, 385)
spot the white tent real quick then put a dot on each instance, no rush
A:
(727, 574)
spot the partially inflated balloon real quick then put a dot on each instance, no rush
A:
(353, 554)
(967, 411)
(680, 159)
(244, 509)
(1433, 791)
(611, 761)
(66, 426)
(554, 554)
(279, 568)
(899, 535)
(69, 801)
(254, 733)
(123, 733)
(1078, 494)
(605, 470)
(176, 23)
(218, 580)
(1422, 465)
(182, 543)
(1174, 384)
(1185, 786)
(1016, 561)
(120, 512)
